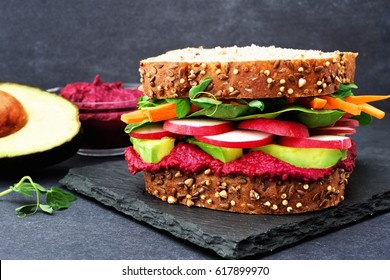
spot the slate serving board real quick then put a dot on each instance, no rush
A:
(233, 235)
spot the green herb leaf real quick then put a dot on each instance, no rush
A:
(344, 91)
(205, 102)
(256, 104)
(311, 118)
(59, 199)
(130, 127)
(26, 210)
(46, 208)
(183, 106)
(224, 111)
(146, 101)
(319, 118)
(27, 188)
(363, 118)
(195, 90)
(56, 198)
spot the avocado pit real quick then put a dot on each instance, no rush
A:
(13, 116)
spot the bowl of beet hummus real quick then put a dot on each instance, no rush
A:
(100, 106)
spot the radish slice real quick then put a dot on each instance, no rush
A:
(152, 131)
(347, 122)
(333, 130)
(319, 141)
(199, 126)
(277, 127)
(238, 139)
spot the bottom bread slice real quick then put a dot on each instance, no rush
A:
(247, 195)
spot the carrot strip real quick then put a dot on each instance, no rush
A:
(133, 117)
(329, 107)
(161, 112)
(361, 99)
(317, 103)
(343, 105)
(373, 111)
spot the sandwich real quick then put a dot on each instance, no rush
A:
(257, 130)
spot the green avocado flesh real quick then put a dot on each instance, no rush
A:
(220, 153)
(155, 150)
(53, 124)
(304, 157)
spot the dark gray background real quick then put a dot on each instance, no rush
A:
(48, 43)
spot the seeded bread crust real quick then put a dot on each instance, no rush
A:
(247, 195)
(249, 79)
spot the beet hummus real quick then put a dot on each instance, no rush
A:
(99, 91)
(191, 159)
(100, 100)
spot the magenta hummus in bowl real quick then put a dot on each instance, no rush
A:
(100, 106)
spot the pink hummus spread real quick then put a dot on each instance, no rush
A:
(100, 100)
(99, 91)
(190, 159)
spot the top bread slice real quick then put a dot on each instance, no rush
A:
(250, 72)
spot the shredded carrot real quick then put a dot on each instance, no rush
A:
(133, 117)
(317, 103)
(360, 99)
(329, 107)
(343, 105)
(161, 112)
(373, 111)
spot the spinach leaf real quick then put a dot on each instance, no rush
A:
(257, 104)
(344, 91)
(223, 111)
(183, 106)
(195, 90)
(311, 118)
(146, 101)
(130, 127)
(363, 118)
(205, 102)
(319, 118)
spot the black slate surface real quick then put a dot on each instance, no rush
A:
(233, 235)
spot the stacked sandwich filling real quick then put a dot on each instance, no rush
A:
(190, 159)
(252, 130)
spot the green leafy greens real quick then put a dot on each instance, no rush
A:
(56, 198)
(242, 109)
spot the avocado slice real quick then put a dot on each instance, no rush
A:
(303, 157)
(51, 134)
(220, 153)
(153, 150)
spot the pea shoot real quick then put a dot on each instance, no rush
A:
(56, 198)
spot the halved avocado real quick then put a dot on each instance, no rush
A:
(51, 134)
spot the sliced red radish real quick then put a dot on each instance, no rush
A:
(277, 127)
(152, 131)
(198, 126)
(318, 141)
(333, 130)
(238, 139)
(347, 122)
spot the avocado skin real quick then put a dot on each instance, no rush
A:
(21, 165)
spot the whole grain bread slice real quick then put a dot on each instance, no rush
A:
(243, 194)
(250, 72)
